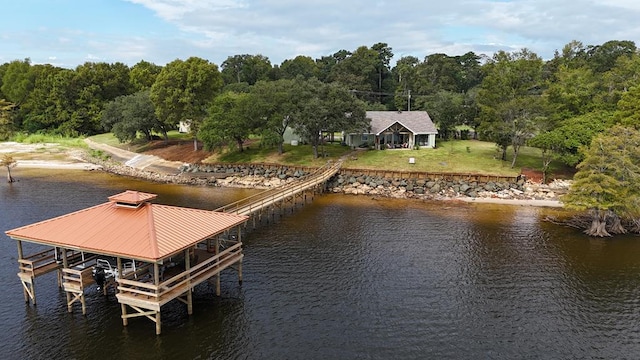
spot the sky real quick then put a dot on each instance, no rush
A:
(68, 33)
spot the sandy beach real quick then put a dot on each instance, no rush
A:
(45, 156)
(56, 164)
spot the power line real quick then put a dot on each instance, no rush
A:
(412, 94)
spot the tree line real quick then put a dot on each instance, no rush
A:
(561, 105)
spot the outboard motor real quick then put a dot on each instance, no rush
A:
(99, 276)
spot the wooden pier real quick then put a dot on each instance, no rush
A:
(255, 206)
(184, 249)
(111, 245)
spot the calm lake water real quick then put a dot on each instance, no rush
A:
(345, 277)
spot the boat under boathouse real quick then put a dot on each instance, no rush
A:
(152, 253)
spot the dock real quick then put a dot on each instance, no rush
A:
(149, 269)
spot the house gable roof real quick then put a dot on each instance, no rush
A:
(418, 122)
(130, 227)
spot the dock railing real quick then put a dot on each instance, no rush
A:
(256, 202)
(45, 262)
(153, 296)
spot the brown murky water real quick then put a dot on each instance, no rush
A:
(346, 278)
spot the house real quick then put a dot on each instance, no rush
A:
(184, 126)
(396, 129)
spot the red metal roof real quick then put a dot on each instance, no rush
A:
(145, 231)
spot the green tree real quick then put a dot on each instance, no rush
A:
(6, 121)
(385, 54)
(127, 115)
(447, 110)
(183, 91)
(63, 100)
(17, 84)
(328, 108)
(616, 82)
(327, 63)
(358, 71)
(607, 181)
(602, 58)
(18, 81)
(91, 86)
(278, 104)
(143, 75)
(469, 74)
(406, 77)
(628, 109)
(551, 143)
(246, 68)
(39, 112)
(437, 72)
(303, 66)
(229, 120)
(571, 92)
(577, 132)
(509, 99)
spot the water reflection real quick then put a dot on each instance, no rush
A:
(347, 277)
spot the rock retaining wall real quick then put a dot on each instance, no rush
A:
(269, 176)
(431, 188)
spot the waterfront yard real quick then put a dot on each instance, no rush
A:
(459, 156)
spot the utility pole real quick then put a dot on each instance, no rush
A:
(409, 100)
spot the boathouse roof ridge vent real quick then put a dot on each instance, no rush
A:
(132, 198)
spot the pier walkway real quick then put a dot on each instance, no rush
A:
(255, 206)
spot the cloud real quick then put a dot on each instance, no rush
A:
(163, 30)
(283, 28)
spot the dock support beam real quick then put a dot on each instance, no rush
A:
(187, 265)
(158, 323)
(65, 264)
(28, 289)
(217, 252)
(240, 262)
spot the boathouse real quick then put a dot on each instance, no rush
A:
(150, 253)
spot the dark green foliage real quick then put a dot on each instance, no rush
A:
(508, 99)
(128, 115)
(229, 121)
(246, 68)
(183, 91)
(327, 108)
(608, 181)
(302, 66)
(143, 75)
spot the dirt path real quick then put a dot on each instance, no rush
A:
(138, 161)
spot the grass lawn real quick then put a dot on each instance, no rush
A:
(140, 144)
(457, 156)
(300, 155)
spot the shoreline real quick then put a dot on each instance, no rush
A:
(125, 170)
(56, 164)
(81, 160)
